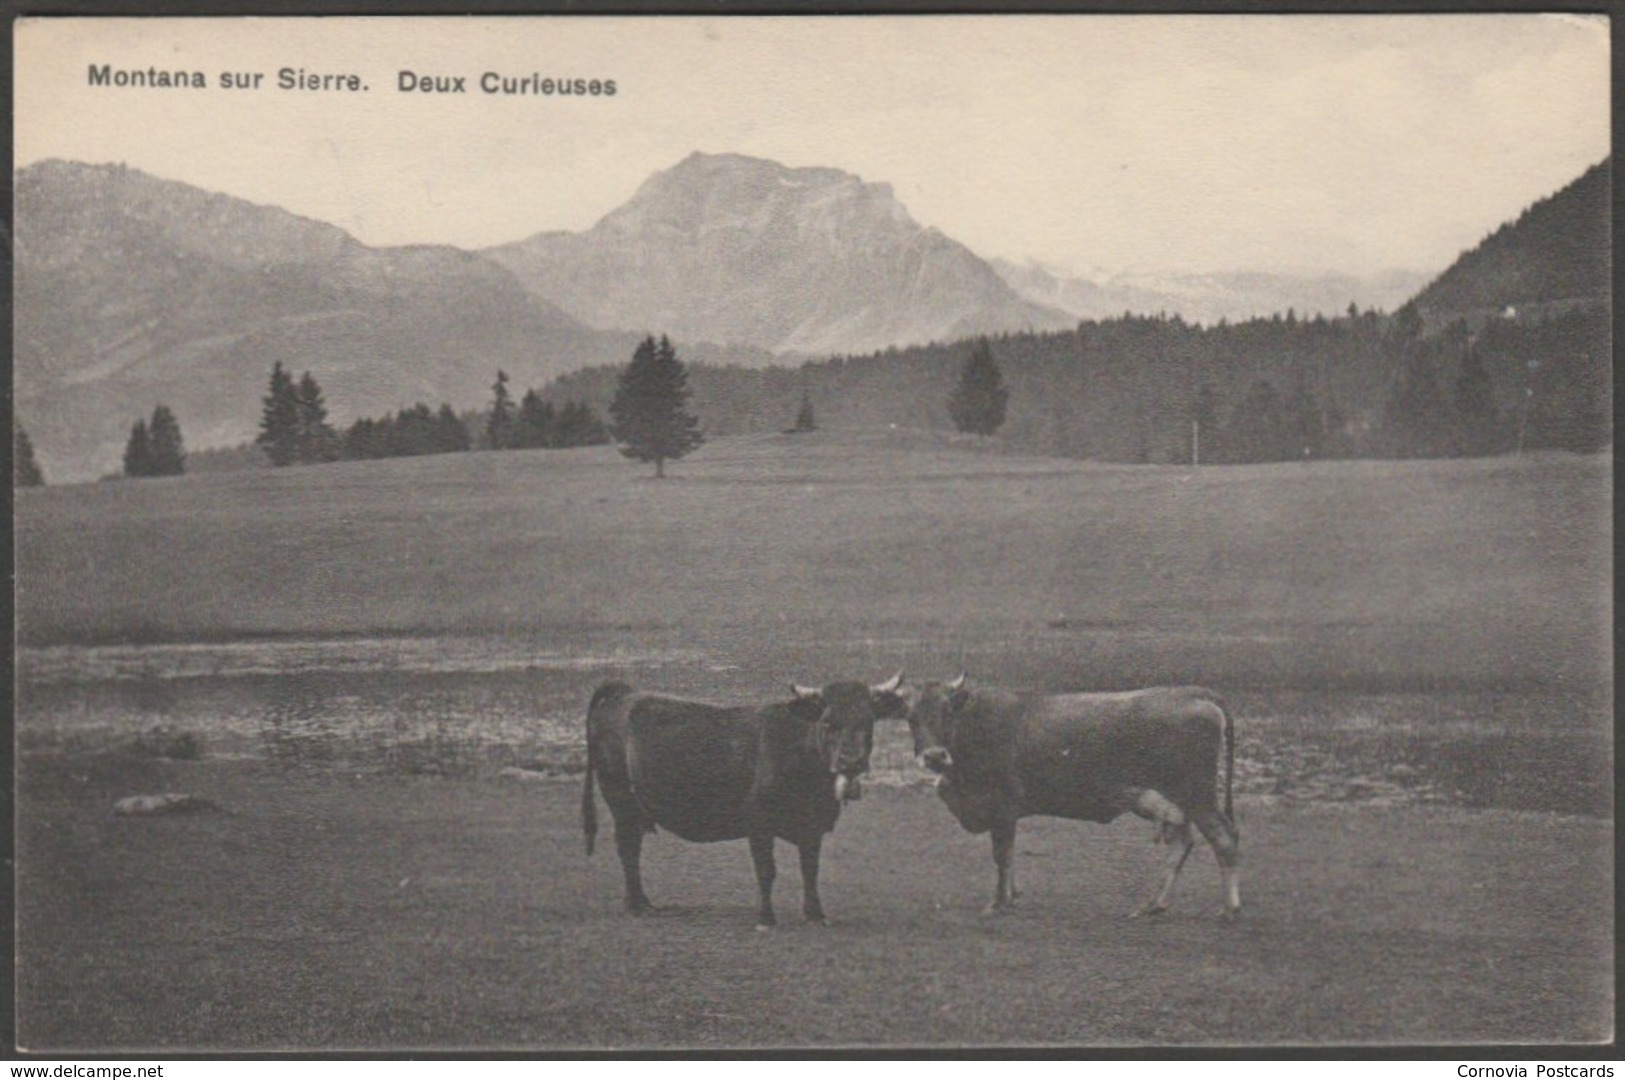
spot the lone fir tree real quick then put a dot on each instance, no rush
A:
(314, 439)
(279, 419)
(538, 423)
(166, 452)
(648, 416)
(977, 403)
(138, 451)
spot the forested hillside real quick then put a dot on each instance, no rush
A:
(1129, 389)
(1555, 252)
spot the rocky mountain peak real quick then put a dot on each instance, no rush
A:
(740, 250)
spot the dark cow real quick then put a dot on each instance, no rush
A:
(710, 772)
(1002, 756)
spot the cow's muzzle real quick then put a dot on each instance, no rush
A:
(936, 759)
(847, 788)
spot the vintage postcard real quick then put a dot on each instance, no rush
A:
(714, 533)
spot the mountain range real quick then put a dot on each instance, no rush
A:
(133, 290)
(1207, 298)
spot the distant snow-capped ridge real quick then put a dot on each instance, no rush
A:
(1207, 297)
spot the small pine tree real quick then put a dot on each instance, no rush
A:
(648, 416)
(415, 432)
(805, 420)
(537, 425)
(314, 441)
(977, 404)
(166, 453)
(365, 439)
(138, 452)
(25, 471)
(499, 428)
(578, 425)
(453, 435)
(279, 419)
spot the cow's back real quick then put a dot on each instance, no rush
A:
(1077, 754)
(691, 765)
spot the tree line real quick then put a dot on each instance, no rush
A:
(1158, 389)
(294, 428)
(1136, 388)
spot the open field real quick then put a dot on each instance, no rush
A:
(380, 911)
(375, 661)
(1490, 572)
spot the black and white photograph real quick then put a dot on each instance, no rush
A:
(813, 535)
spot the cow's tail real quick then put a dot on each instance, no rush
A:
(589, 806)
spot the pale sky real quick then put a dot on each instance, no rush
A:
(1348, 143)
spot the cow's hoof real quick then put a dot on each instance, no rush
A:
(995, 908)
(766, 922)
(1228, 914)
(638, 908)
(818, 919)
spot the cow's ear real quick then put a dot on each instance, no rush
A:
(804, 693)
(958, 699)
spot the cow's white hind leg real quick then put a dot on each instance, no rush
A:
(1173, 828)
(1221, 833)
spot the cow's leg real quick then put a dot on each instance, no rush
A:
(1171, 827)
(761, 853)
(629, 832)
(1221, 833)
(1004, 858)
(630, 824)
(810, 905)
(1180, 844)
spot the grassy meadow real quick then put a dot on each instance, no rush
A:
(387, 912)
(774, 549)
(379, 670)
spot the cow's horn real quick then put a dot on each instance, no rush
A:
(804, 691)
(957, 683)
(890, 685)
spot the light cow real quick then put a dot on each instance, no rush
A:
(1003, 756)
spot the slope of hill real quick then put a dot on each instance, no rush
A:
(1555, 253)
(133, 290)
(734, 249)
(1208, 298)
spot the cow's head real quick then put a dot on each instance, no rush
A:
(843, 726)
(932, 709)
